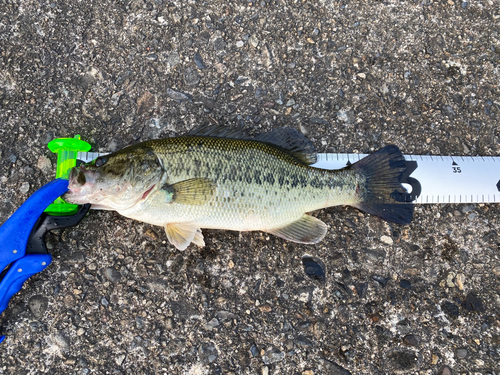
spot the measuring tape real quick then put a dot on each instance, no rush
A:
(428, 179)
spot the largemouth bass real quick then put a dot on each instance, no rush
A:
(218, 178)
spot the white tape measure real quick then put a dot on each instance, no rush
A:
(428, 179)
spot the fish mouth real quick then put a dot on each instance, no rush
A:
(81, 181)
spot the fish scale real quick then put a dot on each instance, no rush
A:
(242, 200)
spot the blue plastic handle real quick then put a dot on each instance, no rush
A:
(20, 271)
(14, 233)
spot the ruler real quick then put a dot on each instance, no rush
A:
(428, 179)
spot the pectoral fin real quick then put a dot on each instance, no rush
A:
(307, 229)
(195, 191)
(181, 235)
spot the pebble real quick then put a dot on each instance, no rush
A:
(411, 340)
(119, 359)
(240, 43)
(346, 116)
(191, 77)
(199, 61)
(460, 279)
(472, 303)
(254, 42)
(25, 187)
(208, 353)
(273, 355)
(380, 279)
(38, 305)
(314, 268)
(173, 59)
(12, 158)
(59, 340)
(290, 102)
(445, 370)
(178, 96)
(44, 164)
(461, 353)
(387, 240)
(401, 360)
(112, 275)
(212, 324)
(450, 309)
(405, 284)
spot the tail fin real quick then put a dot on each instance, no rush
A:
(383, 170)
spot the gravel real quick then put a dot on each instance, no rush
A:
(372, 297)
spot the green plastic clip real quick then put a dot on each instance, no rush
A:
(66, 150)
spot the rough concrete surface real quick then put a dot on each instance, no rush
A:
(352, 75)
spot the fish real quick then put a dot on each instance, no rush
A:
(216, 177)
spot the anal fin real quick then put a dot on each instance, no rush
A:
(182, 234)
(306, 230)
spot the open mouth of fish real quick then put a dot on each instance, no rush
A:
(81, 181)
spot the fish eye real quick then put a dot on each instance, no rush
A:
(100, 161)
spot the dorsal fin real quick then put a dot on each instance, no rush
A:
(293, 142)
(289, 139)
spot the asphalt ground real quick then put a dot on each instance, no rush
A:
(353, 76)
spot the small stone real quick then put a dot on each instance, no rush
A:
(273, 355)
(380, 279)
(346, 115)
(472, 303)
(265, 370)
(178, 96)
(119, 360)
(314, 268)
(92, 266)
(212, 324)
(445, 370)
(411, 340)
(173, 59)
(208, 353)
(290, 102)
(460, 279)
(461, 353)
(434, 359)
(191, 77)
(12, 158)
(405, 284)
(362, 75)
(112, 275)
(44, 164)
(80, 331)
(104, 301)
(254, 42)
(150, 234)
(450, 309)
(59, 340)
(400, 360)
(375, 317)
(25, 187)
(38, 305)
(240, 43)
(199, 61)
(387, 240)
